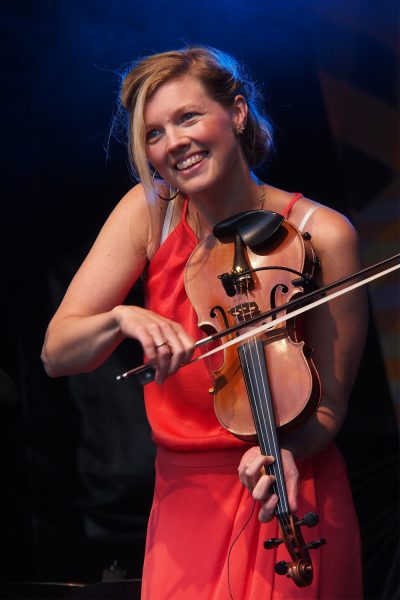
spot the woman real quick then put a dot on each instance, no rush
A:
(193, 120)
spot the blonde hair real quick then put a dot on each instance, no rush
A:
(222, 77)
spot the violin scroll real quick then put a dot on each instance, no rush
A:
(300, 568)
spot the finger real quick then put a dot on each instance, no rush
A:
(267, 511)
(155, 346)
(181, 347)
(175, 350)
(165, 343)
(163, 362)
(250, 472)
(262, 489)
(188, 345)
(250, 454)
(184, 345)
(155, 339)
(291, 488)
(149, 341)
(291, 478)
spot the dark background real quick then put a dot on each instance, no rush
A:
(77, 460)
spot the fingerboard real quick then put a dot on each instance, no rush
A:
(252, 360)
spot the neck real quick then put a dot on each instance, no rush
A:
(227, 199)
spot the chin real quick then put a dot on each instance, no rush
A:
(200, 184)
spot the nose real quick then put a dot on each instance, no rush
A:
(176, 139)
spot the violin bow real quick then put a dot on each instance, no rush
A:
(145, 373)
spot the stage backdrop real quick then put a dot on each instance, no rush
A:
(77, 457)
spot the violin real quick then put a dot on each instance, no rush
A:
(262, 261)
(264, 266)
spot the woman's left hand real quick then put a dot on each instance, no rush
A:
(253, 476)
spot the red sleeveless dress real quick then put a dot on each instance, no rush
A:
(204, 540)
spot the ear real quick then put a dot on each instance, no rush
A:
(239, 112)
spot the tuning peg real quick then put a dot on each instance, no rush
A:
(315, 544)
(310, 519)
(281, 567)
(272, 543)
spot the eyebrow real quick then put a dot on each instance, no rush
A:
(187, 107)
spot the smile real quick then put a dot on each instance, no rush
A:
(192, 160)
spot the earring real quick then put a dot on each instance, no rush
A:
(160, 181)
(239, 129)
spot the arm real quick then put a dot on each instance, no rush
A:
(336, 332)
(91, 320)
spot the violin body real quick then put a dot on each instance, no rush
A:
(293, 378)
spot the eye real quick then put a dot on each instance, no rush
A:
(153, 135)
(189, 116)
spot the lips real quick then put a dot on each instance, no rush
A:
(194, 159)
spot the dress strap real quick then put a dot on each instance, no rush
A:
(308, 214)
(185, 209)
(167, 221)
(293, 201)
(168, 217)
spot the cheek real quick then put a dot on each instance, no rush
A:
(154, 156)
(220, 131)
(223, 136)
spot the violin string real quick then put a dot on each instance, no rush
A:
(258, 391)
(263, 413)
(263, 410)
(266, 408)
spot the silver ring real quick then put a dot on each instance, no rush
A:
(163, 344)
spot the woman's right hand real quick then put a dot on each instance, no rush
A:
(165, 343)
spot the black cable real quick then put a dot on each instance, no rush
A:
(234, 542)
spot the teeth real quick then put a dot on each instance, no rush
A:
(192, 160)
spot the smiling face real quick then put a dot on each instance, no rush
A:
(190, 137)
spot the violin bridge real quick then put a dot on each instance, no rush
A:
(244, 311)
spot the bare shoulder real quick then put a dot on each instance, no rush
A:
(335, 241)
(131, 214)
(333, 237)
(134, 196)
(330, 229)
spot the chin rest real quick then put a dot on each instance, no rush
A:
(253, 226)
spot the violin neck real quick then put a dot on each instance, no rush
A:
(252, 360)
